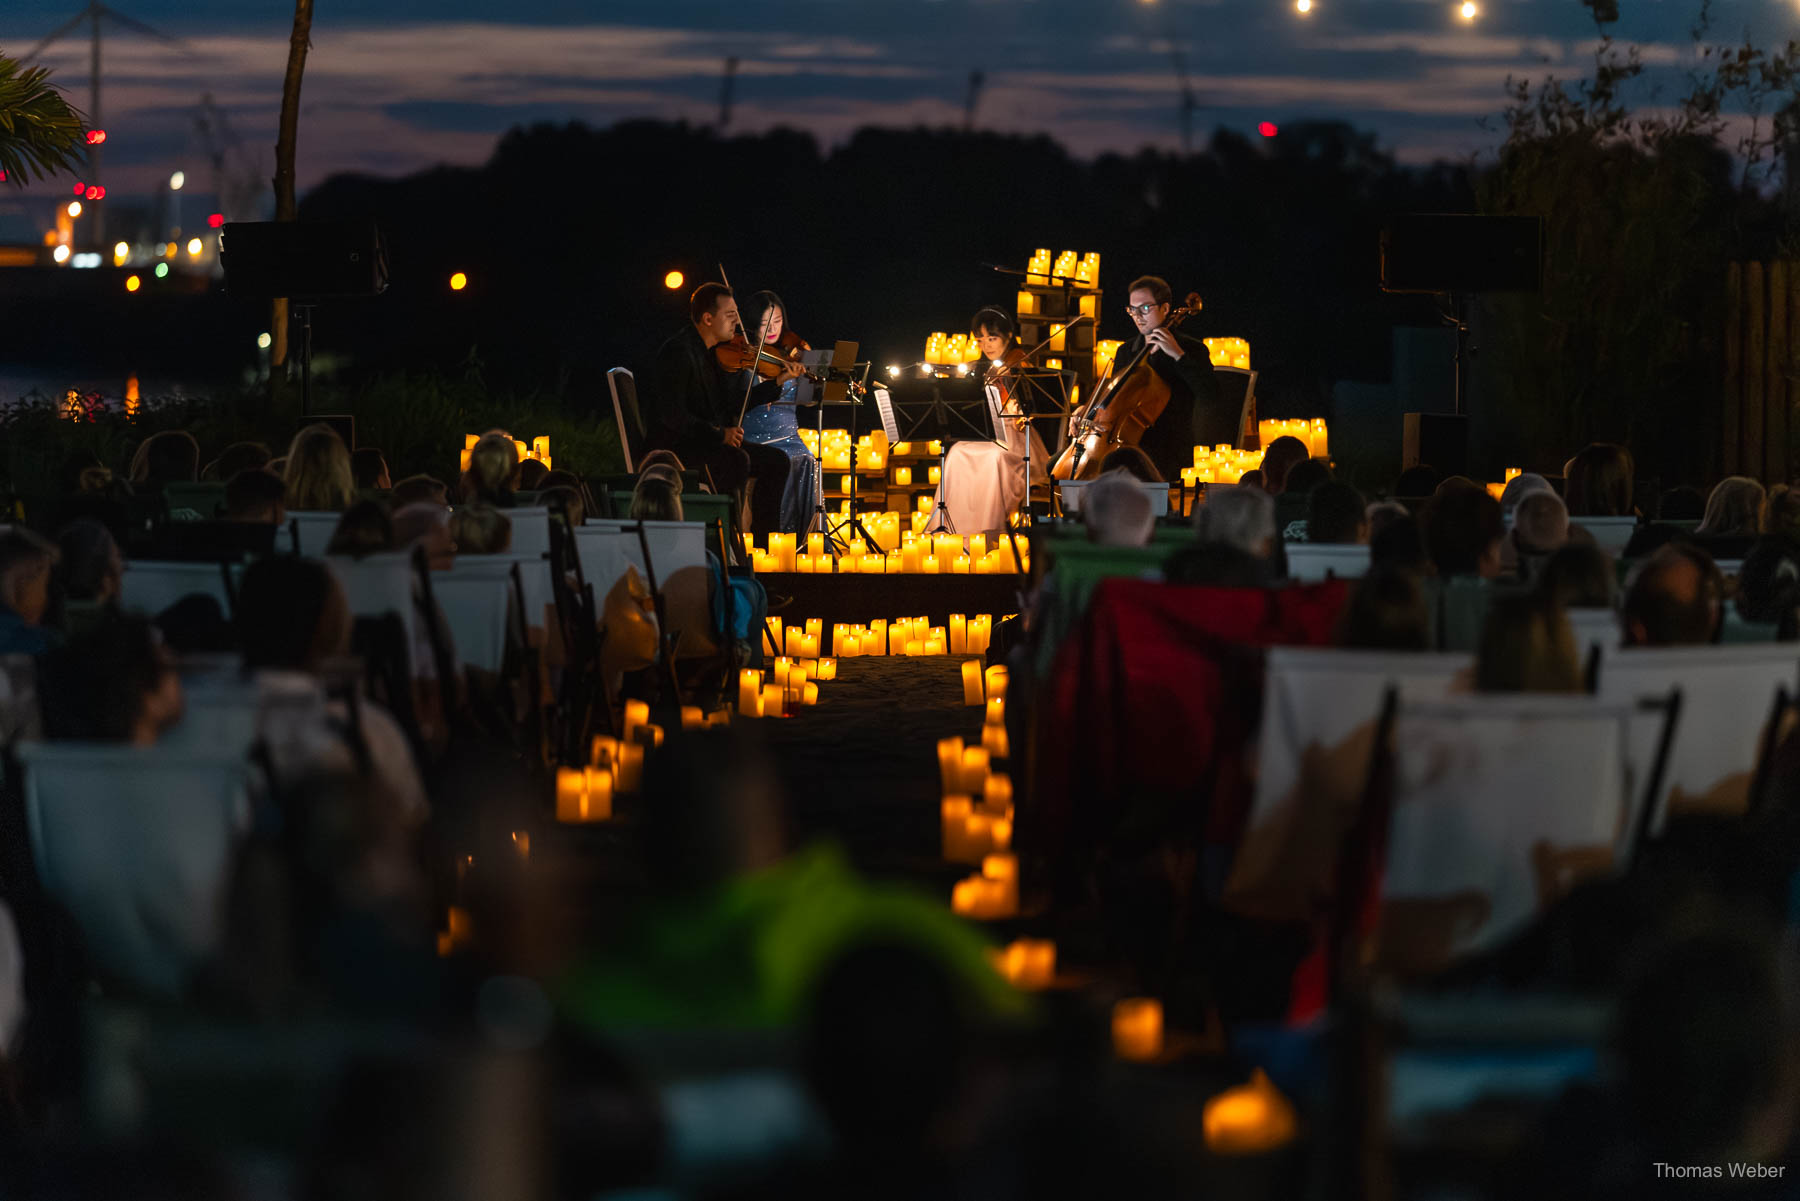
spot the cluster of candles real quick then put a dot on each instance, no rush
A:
(1223, 464)
(1497, 490)
(977, 809)
(947, 350)
(902, 636)
(903, 477)
(833, 449)
(1105, 351)
(539, 449)
(1084, 270)
(1228, 352)
(1027, 963)
(585, 794)
(790, 683)
(1310, 432)
(917, 553)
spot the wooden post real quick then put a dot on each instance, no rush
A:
(1756, 342)
(1734, 377)
(1775, 440)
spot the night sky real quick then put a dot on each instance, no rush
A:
(398, 85)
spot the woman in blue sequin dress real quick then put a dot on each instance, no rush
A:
(778, 423)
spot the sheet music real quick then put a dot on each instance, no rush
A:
(997, 409)
(884, 404)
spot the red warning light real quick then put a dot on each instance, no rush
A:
(215, 221)
(96, 193)
(1267, 129)
(96, 136)
(80, 188)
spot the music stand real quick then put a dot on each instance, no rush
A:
(946, 410)
(843, 386)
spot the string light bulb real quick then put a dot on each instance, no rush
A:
(1469, 11)
(1303, 7)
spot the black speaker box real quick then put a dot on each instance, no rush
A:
(303, 260)
(1438, 440)
(1453, 252)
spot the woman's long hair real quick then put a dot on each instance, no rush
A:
(317, 473)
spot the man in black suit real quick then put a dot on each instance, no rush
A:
(696, 409)
(1195, 416)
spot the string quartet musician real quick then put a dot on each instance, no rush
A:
(983, 482)
(695, 409)
(774, 420)
(1195, 415)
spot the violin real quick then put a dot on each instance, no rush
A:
(768, 359)
(1126, 404)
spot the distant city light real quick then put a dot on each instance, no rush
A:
(1469, 11)
(96, 136)
(60, 254)
(162, 271)
(176, 180)
(1268, 129)
(133, 283)
(96, 192)
(170, 249)
(195, 246)
(458, 282)
(74, 208)
(87, 259)
(263, 341)
(673, 280)
(215, 221)
(121, 250)
(1303, 6)
(80, 188)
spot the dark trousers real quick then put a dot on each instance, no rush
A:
(731, 467)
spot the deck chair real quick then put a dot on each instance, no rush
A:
(677, 568)
(482, 602)
(530, 531)
(395, 583)
(310, 532)
(1069, 493)
(148, 588)
(626, 417)
(205, 498)
(1730, 696)
(1612, 534)
(1310, 562)
(137, 844)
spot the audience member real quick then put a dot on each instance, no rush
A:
(1336, 514)
(26, 564)
(667, 457)
(1578, 575)
(1769, 585)
(427, 525)
(1540, 527)
(655, 499)
(365, 529)
(567, 501)
(239, 456)
(531, 475)
(1235, 531)
(419, 488)
(1526, 646)
(1784, 512)
(1399, 543)
(1306, 475)
(1735, 508)
(171, 457)
(1598, 481)
(1280, 457)
(1382, 513)
(1681, 503)
(1134, 462)
(1418, 481)
(89, 574)
(1463, 531)
(1520, 486)
(493, 467)
(113, 683)
(479, 529)
(1386, 612)
(1674, 599)
(318, 475)
(1116, 511)
(1253, 479)
(369, 470)
(256, 495)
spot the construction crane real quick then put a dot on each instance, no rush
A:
(92, 14)
(725, 89)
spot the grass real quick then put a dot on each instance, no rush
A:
(418, 420)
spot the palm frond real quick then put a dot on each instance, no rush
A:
(41, 134)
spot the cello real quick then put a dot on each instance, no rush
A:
(1123, 407)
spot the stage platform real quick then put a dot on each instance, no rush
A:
(857, 599)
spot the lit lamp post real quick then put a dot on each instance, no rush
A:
(175, 184)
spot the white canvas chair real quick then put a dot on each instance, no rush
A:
(137, 844)
(381, 584)
(1311, 562)
(310, 532)
(1728, 694)
(626, 418)
(229, 710)
(1483, 787)
(1070, 492)
(1594, 628)
(1611, 534)
(477, 599)
(147, 588)
(530, 531)
(678, 564)
(535, 583)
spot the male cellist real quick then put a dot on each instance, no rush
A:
(696, 410)
(1195, 416)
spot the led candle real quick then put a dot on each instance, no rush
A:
(774, 700)
(933, 475)
(977, 545)
(996, 710)
(930, 565)
(809, 647)
(954, 811)
(604, 752)
(1003, 869)
(815, 626)
(876, 641)
(636, 714)
(692, 718)
(750, 693)
(950, 753)
(959, 565)
(809, 694)
(1033, 962)
(871, 564)
(631, 767)
(972, 779)
(772, 636)
(827, 669)
(996, 682)
(997, 793)
(972, 684)
(933, 646)
(993, 738)
(571, 794)
(815, 544)
(1320, 439)
(1248, 1119)
(914, 647)
(1138, 1028)
(902, 477)
(897, 638)
(649, 734)
(967, 896)
(804, 564)
(959, 634)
